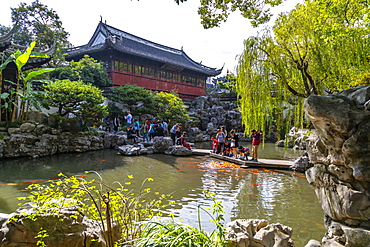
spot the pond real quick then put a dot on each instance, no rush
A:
(278, 196)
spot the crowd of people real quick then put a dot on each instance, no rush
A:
(147, 130)
(227, 144)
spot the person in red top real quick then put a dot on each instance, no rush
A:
(256, 140)
(214, 145)
(184, 142)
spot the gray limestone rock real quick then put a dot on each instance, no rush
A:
(68, 228)
(161, 144)
(258, 233)
(178, 150)
(340, 150)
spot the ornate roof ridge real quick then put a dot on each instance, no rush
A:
(106, 35)
(8, 36)
(132, 37)
(119, 33)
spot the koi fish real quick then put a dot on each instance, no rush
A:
(256, 184)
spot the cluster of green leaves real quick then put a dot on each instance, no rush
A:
(319, 47)
(170, 107)
(97, 201)
(20, 91)
(214, 12)
(120, 205)
(87, 69)
(75, 97)
(229, 83)
(138, 99)
(36, 22)
(164, 106)
(171, 233)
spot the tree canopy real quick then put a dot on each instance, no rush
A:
(214, 12)
(87, 69)
(37, 22)
(133, 97)
(319, 47)
(82, 100)
(169, 107)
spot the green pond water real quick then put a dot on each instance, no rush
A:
(278, 196)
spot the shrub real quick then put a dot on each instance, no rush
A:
(98, 201)
(129, 209)
(84, 101)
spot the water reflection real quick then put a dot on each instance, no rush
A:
(280, 197)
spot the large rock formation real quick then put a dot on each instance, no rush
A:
(31, 140)
(67, 228)
(341, 154)
(210, 114)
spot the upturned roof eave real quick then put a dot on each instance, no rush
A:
(82, 50)
(110, 33)
(208, 72)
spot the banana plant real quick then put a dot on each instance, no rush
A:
(25, 95)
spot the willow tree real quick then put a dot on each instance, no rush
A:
(319, 47)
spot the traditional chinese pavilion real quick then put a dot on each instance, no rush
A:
(134, 60)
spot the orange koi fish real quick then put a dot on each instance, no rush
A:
(256, 184)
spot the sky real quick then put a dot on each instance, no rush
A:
(160, 21)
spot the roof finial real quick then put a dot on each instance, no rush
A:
(101, 18)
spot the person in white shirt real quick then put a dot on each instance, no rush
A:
(128, 119)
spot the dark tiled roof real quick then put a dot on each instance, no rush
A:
(5, 40)
(124, 42)
(8, 48)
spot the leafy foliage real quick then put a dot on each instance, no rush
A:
(229, 83)
(87, 70)
(138, 99)
(214, 12)
(75, 97)
(36, 22)
(21, 89)
(170, 107)
(136, 212)
(97, 201)
(317, 48)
